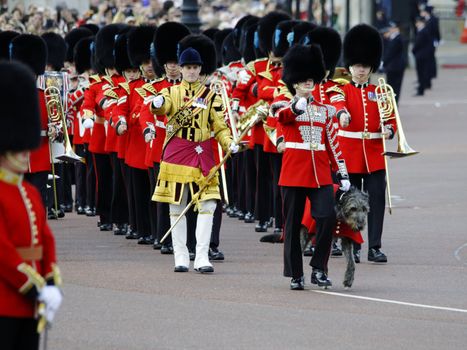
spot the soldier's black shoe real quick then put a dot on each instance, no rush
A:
(376, 255)
(262, 227)
(297, 283)
(336, 251)
(192, 256)
(132, 234)
(240, 215)
(90, 211)
(270, 222)
(249, 218)
(146, 240)
(68, 208)
(120, 229)
(356, 256)
(320, 278)
(157, 245)
(105, 227)
(205, 269)
(167, 249)
(215, 254)
(51, 215)
(233, 212)
(309, 251)
(80, 210)
(272, 238)
(229, 210)
(181, 269)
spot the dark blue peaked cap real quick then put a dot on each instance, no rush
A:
(190, 56)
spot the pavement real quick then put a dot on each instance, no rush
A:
(118, 295)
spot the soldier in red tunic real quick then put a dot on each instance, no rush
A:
(32, 50)
(28, 271)
(311, 145)
(360, 135)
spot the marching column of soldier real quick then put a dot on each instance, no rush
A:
(148, 116)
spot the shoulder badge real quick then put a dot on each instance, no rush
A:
(94, 79)
(111, 93)
(125, 86)
(141, 92)
(336, 89)
(150, 88)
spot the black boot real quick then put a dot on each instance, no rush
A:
(320, 278)
(297, 283)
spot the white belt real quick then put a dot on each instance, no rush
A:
(360, 134)
(160, 124)
(306, 146)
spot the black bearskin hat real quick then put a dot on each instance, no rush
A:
(20, 117)
(300, 30)
(72, 38)
(302, 63)
(165, 42)
(122, 59)
(105, 41)
(218, 41)
(330, 43)
(266, 28)
(238, 29)
(283, 37)
(211, 33)
(139, 44)
(56, 50)
(229, 51)
(363, 45)
(206, 49)
(94, 28)
(5, 39)
(247, 41)
(83, 54)
(31, 50)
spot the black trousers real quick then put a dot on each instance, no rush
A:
(39, 181)
(216, 226)
(141, 197)
(375, 185)
(394, 78)
(163, 213)
(322, 210)
(276, 165)
(18, 333)
(423, 74)
(104, 187)
(90, 178)
(119, 204)
(250, 179)
(127, 179)
(68, 172)
(80, 177)
(263, 185)
(56, 187)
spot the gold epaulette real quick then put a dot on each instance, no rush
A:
(108, 79)
(125, 87)
(251, 67)
(150, 88)
(111, 93)
(141, 92)
(337, 89)
(340, 81)
(284, 90)
(94, 79)
(158, 79)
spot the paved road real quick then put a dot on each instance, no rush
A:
(122, 296)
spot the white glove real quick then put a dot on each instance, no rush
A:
(51, 296)
(121, 129)
(345, 185)
(301, 104)
(344, 120)
(88, 123)
(234, 147)
(149, 99)
(244, 76)
(158, 101)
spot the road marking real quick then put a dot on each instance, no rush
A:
(456, 253)
(392, 301)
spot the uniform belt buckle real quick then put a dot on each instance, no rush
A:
(365, 135)
(314, 146)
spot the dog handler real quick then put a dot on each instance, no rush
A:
(310, 146)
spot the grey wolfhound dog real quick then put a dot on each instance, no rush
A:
(351, 209)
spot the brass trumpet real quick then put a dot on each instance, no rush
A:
(219, 88)
(257, 112)
(387, 107)
(56, 115)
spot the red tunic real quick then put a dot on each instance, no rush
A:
(311, 146)
(361, 142)
(39, 160)
(75, 100)
(23, 227)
